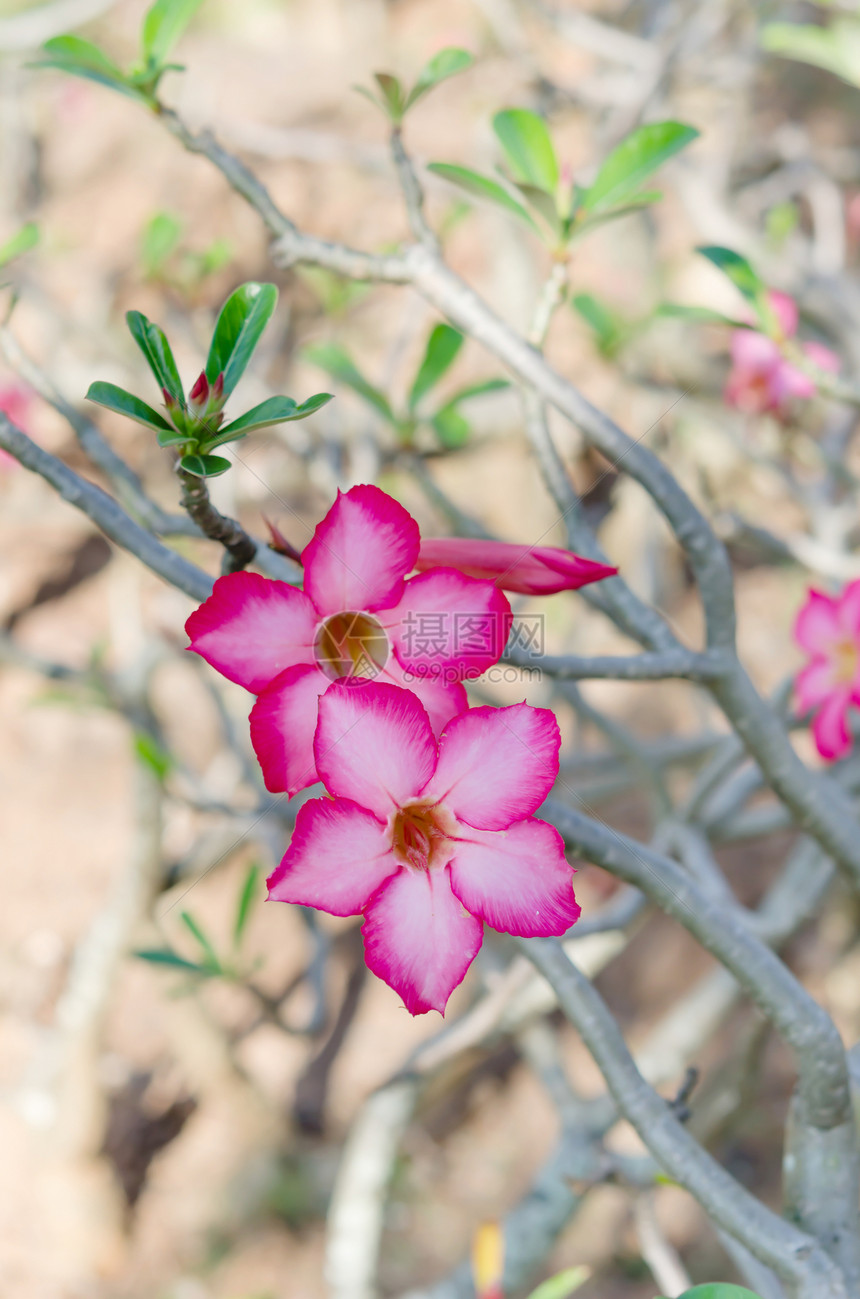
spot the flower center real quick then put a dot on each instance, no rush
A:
(421, 836)
(845, 661)
(351, 644)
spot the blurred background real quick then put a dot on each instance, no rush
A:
(175, 1131)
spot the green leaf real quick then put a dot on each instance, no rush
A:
(452, 429)
(562, 1284)
(635, 158)
(477, 390)
(719, 1290)
(174, 438)
(274, 410)
(442, 347)
(152, 342)
(163, 25)
(25, 239)
(738, 269)
(160, 237)
(447, 63)
(164, 956)
(835, 48)
(544, 204)
(152, 754)
(705, 315)
(243, 907)
(598, 316)
(243, 318)
(482, 187)
(81, 58)
(528, 148)
(125, 403)
(392, 95)
(204, 466)
(588, 222)
(337, 362)
(212, 961)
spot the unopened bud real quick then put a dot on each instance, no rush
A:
(279, 543)
(199, 394)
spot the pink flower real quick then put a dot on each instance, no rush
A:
(356, 618)
(429, 840)
(761, 379)
(532, 570)
(15, 402)
(828, 628)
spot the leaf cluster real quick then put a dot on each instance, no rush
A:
(395, 100)
(532, 187)
(163, 25)
(447, 420)
(209, 963)
(194, 423)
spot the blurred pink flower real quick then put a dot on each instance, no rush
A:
(531, 570)
(761, 379)
(428, 841)
(828, 628)
(357, 617)
(16, 402)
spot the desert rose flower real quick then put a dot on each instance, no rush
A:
(429, 840)
(356, 618)
(828, 628)
(531, 570)
(761, 379)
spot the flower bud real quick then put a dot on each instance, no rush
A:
(531, 570)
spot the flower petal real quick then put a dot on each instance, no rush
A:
(338, 857)
(789, 382)
(817, 624)
(848, 610)
(785, 310)
(361, 552)
(448, 625)
(517, 880)
(442, 699)
(252, 628)
(531, 570)
(419, 940)
(754, 352)
(496, 765)
(830, 727)
(374, 744)
(823, 357)
(283, 724)
(813, 684)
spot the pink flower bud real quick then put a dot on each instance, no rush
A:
(169, 400)
(199, 394)
(531, 570)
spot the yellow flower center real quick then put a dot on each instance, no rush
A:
(845, 661)
(351, 644)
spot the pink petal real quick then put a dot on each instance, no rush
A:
(789, 382)
(283, 724)
(496, 765)
(360, 552)
(338, 857)
(532, 570)
(419, 940)
(813, 684)
(817, 624)
(442, 699)
(448, 625)
(517, 880)
(830, 727)
(252, 628)
(753, 351)
(848, 609)
(822, 357)
(785, 310)
(373, 744)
